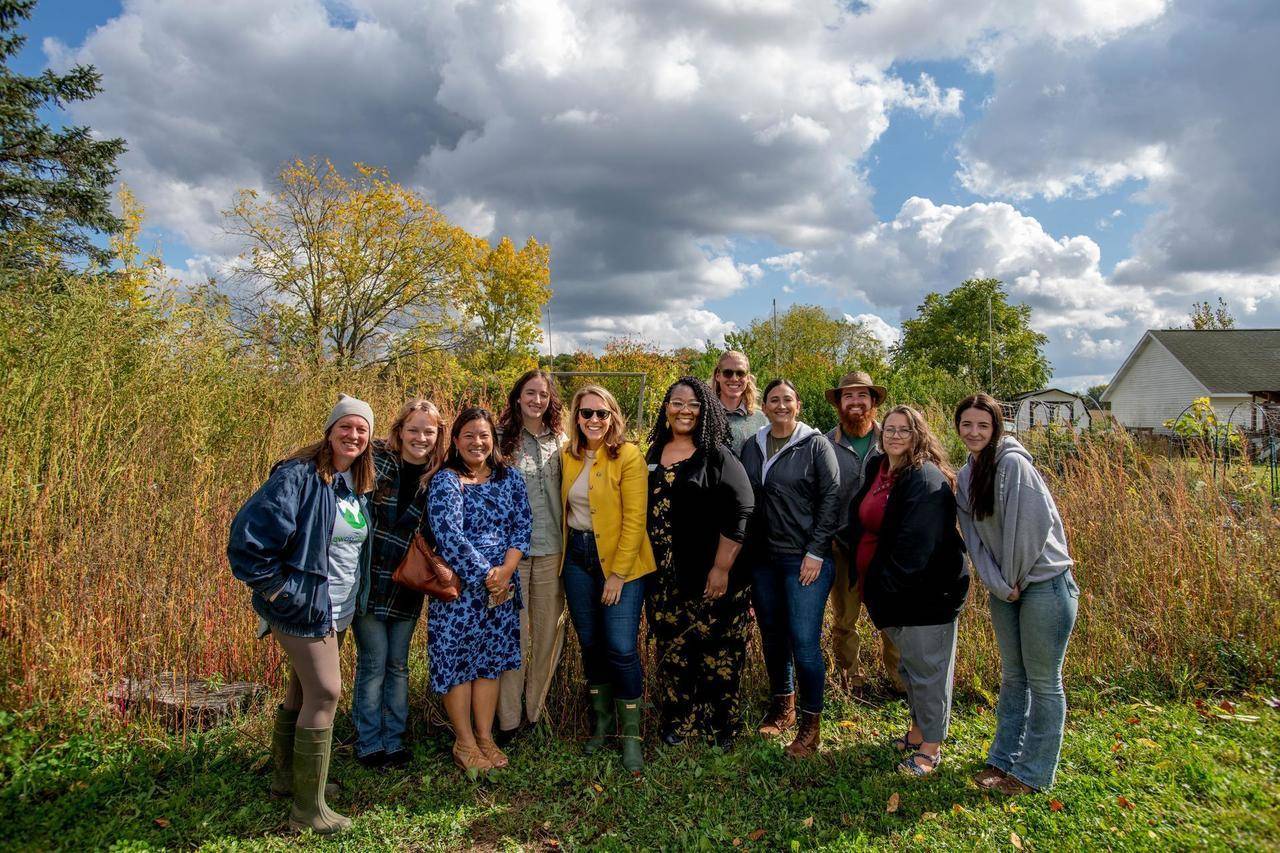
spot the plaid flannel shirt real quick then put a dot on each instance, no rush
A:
(392, 533)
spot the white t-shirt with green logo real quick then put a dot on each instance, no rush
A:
(350, 529)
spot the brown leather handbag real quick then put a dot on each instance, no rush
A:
(423, 570)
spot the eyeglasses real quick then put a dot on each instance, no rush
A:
(895, 431)
(729, 373)
(681, 405)
(594, 414)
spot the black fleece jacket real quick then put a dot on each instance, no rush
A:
(918, 575)
(798, 501)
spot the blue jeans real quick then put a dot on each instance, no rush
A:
(1032, 633)
(607, 635)
(790, 619)
(380, 700)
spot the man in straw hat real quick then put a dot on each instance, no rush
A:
(857, 441)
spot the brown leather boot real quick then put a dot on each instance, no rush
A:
(808, 737)
(781, 715)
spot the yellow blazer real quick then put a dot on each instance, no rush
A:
(618, 492)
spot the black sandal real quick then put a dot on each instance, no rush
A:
(909, 767)
(904, 744)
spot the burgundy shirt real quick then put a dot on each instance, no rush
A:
(871, 514)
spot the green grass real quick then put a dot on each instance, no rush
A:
(1187, 781)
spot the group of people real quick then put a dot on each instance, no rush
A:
(737, 508)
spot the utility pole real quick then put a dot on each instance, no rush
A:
(551, 353)
(991, 347)
(775, 338)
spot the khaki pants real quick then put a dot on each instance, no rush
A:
(542, 624)
(846, 604)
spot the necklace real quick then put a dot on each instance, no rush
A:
(477, 476)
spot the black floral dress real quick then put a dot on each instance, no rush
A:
(701, 644)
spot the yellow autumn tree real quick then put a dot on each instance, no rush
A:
(344, 270)
(506, 292)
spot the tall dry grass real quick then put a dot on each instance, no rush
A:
(130, 434)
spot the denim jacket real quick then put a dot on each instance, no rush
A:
(279, 543)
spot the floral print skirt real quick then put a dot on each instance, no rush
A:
(702, 647)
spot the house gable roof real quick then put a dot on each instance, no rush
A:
(1227, 361)
(1224, 361)
(1027, 394)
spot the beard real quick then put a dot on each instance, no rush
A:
(857, 424)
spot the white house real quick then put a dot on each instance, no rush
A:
(1048, 405)
(1234, 368)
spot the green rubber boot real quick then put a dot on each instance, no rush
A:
(311, 749)
(602, 717)
(282, 752)
(629, 714)
(282, 755)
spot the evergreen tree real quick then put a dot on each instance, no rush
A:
(55, 184)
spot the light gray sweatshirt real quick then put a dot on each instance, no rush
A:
(1023, 541)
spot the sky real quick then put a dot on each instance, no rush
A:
(691, 161)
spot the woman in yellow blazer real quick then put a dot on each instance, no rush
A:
(604, 487)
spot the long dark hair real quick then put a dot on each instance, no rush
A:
(982, 471)
(712, 426)
(512, 421)
(453, 460)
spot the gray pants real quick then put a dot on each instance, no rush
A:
(927, 668)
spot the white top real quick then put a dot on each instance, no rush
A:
(579, 499)
(350, 529)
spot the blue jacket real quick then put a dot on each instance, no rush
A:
(280, 542)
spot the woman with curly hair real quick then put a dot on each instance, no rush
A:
(910, 561)
(530, 437)
(699, 503)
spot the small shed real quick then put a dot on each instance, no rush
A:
(1044, 407)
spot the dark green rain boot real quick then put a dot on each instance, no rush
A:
(602, 717)
(630, 712)
(311, 749)
(282, 755)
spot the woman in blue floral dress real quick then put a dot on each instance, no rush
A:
(479, 514)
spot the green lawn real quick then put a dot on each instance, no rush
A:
(1134, 776)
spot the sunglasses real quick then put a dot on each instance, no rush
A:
(594, 414)
(728, 373)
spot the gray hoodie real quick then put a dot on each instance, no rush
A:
(1023, 541)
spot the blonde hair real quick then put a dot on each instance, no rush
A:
(613, 439)
(395, 444)
(925, 446)
(749, 393)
